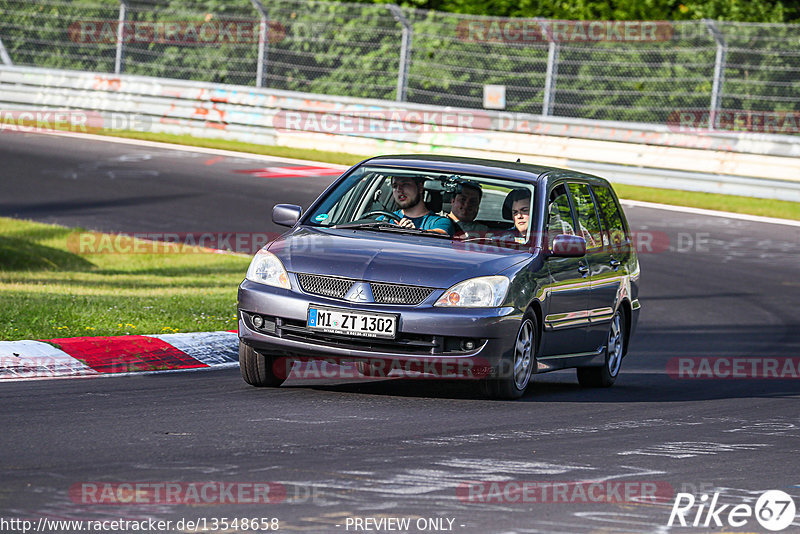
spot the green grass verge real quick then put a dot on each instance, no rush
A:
(48, 289)
(781, 209)
(753, 206)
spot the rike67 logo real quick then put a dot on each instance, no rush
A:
(774, 510)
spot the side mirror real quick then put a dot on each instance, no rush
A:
(286, 214)
(568, 246)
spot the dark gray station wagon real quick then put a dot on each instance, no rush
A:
(433, 266)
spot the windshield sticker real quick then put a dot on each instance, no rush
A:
(321, 217)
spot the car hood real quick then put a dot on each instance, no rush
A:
(388, 257)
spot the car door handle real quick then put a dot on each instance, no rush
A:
(584, 270)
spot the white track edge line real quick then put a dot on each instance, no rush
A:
(264, 157)
(710, 213)
(190, 148)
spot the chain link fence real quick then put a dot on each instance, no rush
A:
(624, 71)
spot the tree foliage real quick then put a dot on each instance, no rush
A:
(732, 10)
(354, 50)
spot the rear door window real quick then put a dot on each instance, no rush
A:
(559, 215)
(588, 218)
(614, 232)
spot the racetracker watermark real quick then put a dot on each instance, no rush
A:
(728, 368)
(12, 367)
(526, 31)
(732, 120)
(171, 242)
(642, 242)
(176, 32)
(580, 492)
(70, 120)
(382, 121)
(354, 369)
(406, 121)
(192, 493)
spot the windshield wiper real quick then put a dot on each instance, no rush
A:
(415, 231)
(370, 224)
(389, 227)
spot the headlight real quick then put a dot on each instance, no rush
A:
(482, 292)
(266, 268)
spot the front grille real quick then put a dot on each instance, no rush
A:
(382, 293)
(324, 285)
(404, 344)
(396, 294)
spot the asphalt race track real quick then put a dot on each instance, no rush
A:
(724, 288)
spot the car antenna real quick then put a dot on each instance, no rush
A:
(518, 160)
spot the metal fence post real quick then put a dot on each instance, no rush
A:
(123, 7)
(4, 57)
(405, 51)
(263, 42)
(719, 72)
(551, 73)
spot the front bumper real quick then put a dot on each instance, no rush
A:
(424, 332)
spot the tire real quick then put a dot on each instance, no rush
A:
(257, 369)
(604, 376)
(514, 376)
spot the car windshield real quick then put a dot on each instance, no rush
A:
(453, 206)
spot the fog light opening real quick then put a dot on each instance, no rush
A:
(258, 321)
(468, 344)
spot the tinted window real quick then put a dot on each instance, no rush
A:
(588, 222)
(612, 219)
(559, 216)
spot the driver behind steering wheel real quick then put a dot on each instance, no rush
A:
(407, 192)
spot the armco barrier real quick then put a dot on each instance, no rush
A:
(758, 165)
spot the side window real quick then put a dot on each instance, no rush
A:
(559, 216)
(612, 219)
(381, 198)
(340, 209)
(588, 221)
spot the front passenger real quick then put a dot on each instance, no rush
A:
(464, 209)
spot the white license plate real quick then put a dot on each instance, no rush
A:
(352, 323)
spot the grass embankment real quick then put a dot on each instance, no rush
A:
(766, 207)
(754, 206)
(49, 289)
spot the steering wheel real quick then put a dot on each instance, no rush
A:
(392, 216)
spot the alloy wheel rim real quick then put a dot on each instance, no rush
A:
(614, 346)
(523, 355)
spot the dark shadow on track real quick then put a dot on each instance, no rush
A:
(49, 209)
(631, 387)
(644, 376)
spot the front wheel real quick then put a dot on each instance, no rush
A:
(514, 375)
(257, 369)
(603, 377)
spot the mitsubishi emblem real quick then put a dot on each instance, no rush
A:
(360, 292)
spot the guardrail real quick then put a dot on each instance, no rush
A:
(758, 165)
(594, 69)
